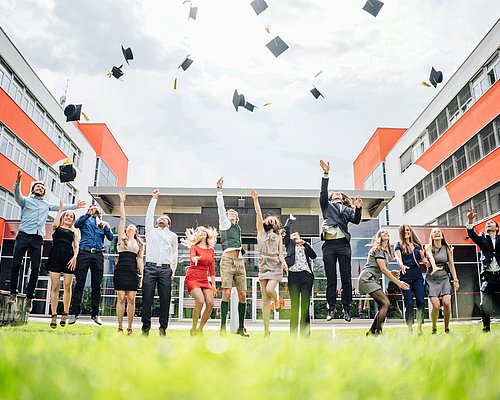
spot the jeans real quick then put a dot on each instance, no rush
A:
(333, 251)
(84, 261)
(300, 286)
(415, 280)
(33, 244)
(161, 276)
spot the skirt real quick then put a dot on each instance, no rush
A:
(367, 283)
(438, 284)
(126, 276)
(59, 257)
(270, 268)
(196, 278)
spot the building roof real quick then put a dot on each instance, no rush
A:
(191, 200)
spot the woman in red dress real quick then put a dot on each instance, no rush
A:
(201, 242)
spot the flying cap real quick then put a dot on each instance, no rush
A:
(192, 12)
(238, 100)
(249, 106)
(67, 172)
(116, 72)
(373, 7)
(277, 46)
(127, 53)
(435, 77)
(72, 112)
(258, 6)
(186, 63)
(316, 93)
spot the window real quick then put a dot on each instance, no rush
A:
(16, 90)
(405, 159)
(428, 187)
(480, 85)
(494, 197)
(453, 110)
(448, 170)
(480, 206)
(441, 220)
(7, 76)
(409, 200)
(473, 151)
(464, 98)
(432, 132)
(28, 104)
(437, 178)
(39, 116)
(442, 122)
(460, 160)
(419, 192)
(487, 139)
(454, 217)
(492, 73)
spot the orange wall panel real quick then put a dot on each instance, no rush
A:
(375, 151)
(9, 175)
(479, 177)
(22, 125)
(2, 227)
(480, 114)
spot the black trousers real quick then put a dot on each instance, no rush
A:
(84, 262)
(300, 286)
(33, 245)
(337, 250)
(161, 277)
(490, 289)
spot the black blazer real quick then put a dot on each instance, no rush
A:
(290, 248)
(486, 245)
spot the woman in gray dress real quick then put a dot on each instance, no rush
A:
(437, 283)
(369, 278)
(271, 259)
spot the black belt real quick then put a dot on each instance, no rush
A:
(91, 250)
(493, 272)
(158, 264)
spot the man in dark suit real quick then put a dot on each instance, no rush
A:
(489, 243)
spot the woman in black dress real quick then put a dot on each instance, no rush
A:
(129, 269)
(62, 259)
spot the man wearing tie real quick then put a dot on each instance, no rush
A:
(489, 244)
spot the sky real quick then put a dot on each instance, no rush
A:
(189, 137)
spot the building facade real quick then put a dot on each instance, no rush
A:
(448, 160)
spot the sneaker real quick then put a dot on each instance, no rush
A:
(242, 332)
(29, 305)
(163, 331)
(12, 299)
(72, 319)
(347, 316)
(329, 315)
(96, 319)
(486, 330)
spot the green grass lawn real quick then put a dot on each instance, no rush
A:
(85, 361)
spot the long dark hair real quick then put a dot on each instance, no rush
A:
(272, 223)
(413, 239)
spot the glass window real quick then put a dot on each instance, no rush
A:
(432, 132)
(473, 150)
(39, 115)
(494, 196)
(405, 159)
(437, 178)
(448, 170)
(492, 76)
(487, 138)
(419, 192)
(7, 77)
(454, 217)
(480, 85)
(453, 107)
(441, 220)
(409, 200)
(463, 209)
(460, 160)
(464, 97)
(442, 122)
(427, 184)
(480, 206)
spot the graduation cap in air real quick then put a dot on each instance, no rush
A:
(73, 112)
(116, 72)
(186, 63)
(239, 101)
(127, 53)
(192, 12)
(67, 171)
(277, 46)
(373, 7)
(316, 93)
(435, 77)
(258, 6)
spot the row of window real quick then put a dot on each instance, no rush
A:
(21, 95)
(475, 149)
(103, 174)
(9, 209)
(471, 92)
(485, 204)
(16, 151)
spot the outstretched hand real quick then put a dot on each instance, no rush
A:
(156, 193)
(470, 215)
(61, 205)
(122, 196)
(358, 202)
(81, 204)
(325, 166)
(19, 175)
(254, 194)
(292, 217)
(220, 182)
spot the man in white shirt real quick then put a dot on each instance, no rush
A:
(161, 262)
(489, 243)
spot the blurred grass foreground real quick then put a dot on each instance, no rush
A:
(89, 362)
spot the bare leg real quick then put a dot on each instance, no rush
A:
(197, 295)
(265, 305)
(67, 282)
(130, 307)
(446, 310)
(435, 310)
(55, 278)
(120, 308)
(209, 305)
(271, 291)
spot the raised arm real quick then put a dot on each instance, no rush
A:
(79, 204)
(470, 227)
(288, 226)
(382, 264)
(358, 207)
(57, 219)
(258, 212)
(121, 224)
(323, 194)
(150, 213)
(17, 189)
(224, 223)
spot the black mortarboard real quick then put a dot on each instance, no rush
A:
(127, 53)
(116, 72)
(277, 46)
(192, 12)
(67, 173)
(258, 6)
(186, 63)
(435, 77)
(316, 93)
(249, 106)
(373, 7)
(238, 100)
(73, 112)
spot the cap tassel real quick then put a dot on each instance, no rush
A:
(425, 84)
(175, 84)
(85, 116)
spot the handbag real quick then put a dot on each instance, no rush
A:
(421, 265)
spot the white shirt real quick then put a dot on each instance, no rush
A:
(161, 243)
(493, 264)
(335, 230)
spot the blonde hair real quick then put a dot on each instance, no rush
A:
(413, 239)
(72, 226)
(193, 236)
(140, 243)
(443, 242)
(377, 243)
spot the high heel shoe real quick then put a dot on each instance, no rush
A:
(53, 321)
(129, 332)
(64, 316)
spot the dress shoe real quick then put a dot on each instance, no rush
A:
(72, 319)
(145, 332)
(163, 332)
(329, 315)
(97, 319)
(486, 330)
(347, 316)
(12, 299)
(242, 332)
(29, 305)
